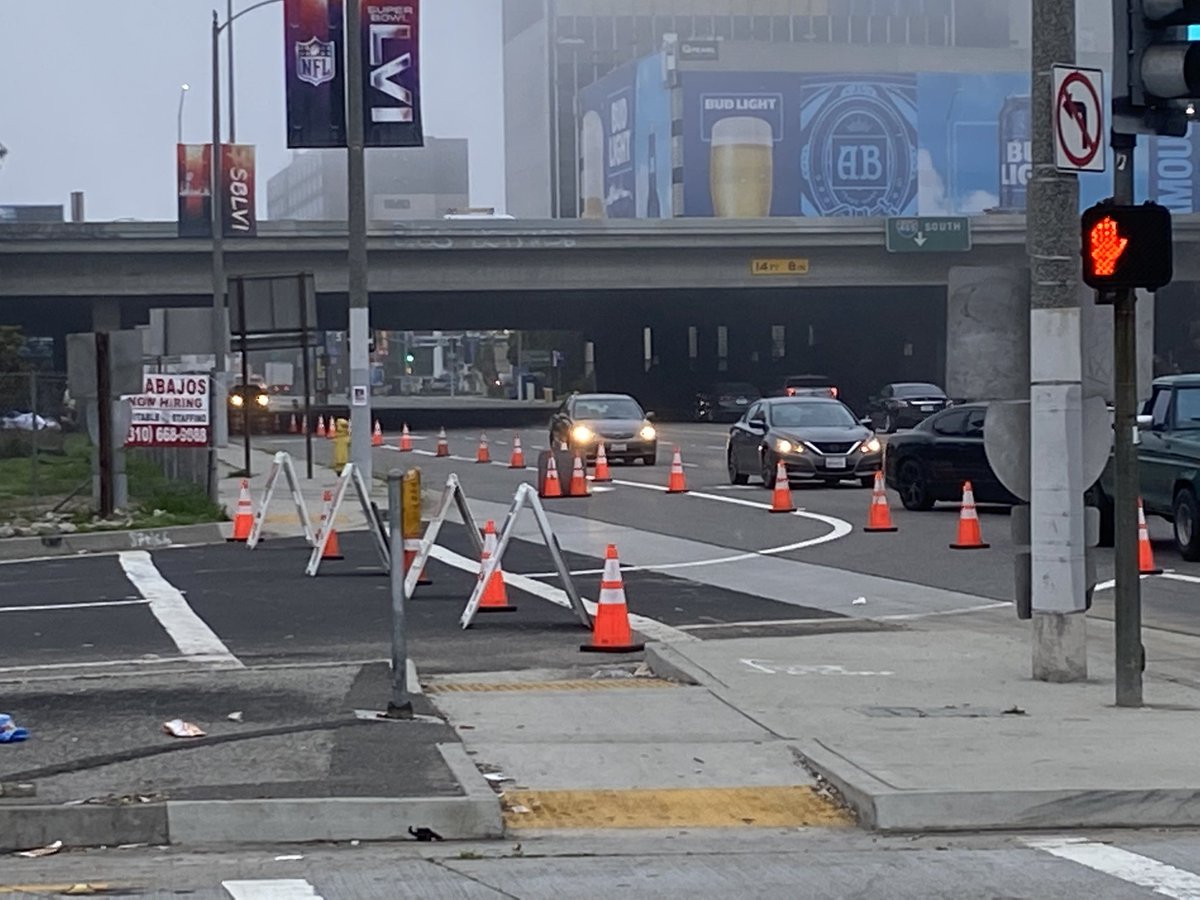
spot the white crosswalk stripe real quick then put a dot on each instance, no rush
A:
(1167, 880)
(271, 889)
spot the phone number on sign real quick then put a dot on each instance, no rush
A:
(166, 435)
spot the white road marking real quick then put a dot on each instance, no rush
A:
(1111, 583)
(276, 889)
(190, 633)
(113, 663)
(87, 604)
(1176, 576)
(831, 620)
(651, 628)
(1133, 868)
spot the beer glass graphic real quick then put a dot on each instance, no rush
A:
(741, 167)
(591, 181)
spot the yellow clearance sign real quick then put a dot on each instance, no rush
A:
(410, 504)
(792, 266)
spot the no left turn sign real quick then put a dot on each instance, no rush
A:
(1078, 119)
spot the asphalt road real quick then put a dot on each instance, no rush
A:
(753, 862)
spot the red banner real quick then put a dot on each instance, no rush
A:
(237, 190)
(194, 177)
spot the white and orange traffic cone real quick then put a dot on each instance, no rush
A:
(602, 473)
(243, 520)
(483, 455)
(412, 546)
(781, 496)
(443, 445)
(579, 485)
(517, 460)
(377, 435)
(677, 481)
(495, 595)
(1146, 564)
(320, 426)
(293, 425)
(550, 485)
(879, 516)
(405, 440)
(610, 629)
(969, 535)
(332, 549)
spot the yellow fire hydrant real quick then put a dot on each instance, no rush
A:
(341, 446)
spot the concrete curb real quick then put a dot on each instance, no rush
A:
(881, 807)
(17, 549)
(665, 662)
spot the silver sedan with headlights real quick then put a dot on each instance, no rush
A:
(584, 421)
(817, 439)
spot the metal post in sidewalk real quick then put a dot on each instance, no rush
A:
(220, 426)
(356, 207)
(1130, 656)
(104, 424)
(35, 432)
(400, 704)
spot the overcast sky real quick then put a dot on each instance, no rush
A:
(89, 91)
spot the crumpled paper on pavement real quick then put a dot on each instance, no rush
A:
(181, 729)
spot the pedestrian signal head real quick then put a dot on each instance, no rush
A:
(1127, 247)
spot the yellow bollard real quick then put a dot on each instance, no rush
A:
(341, 446)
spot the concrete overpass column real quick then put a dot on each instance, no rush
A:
(106, 314)
(987, 333)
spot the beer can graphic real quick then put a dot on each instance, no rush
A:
(1016, 158)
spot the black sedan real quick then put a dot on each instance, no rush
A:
(584, 421)
(252, 401)
(931, 462)
(817, 439)
(724, 402)
(905, 404)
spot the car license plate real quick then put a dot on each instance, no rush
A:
(926, 407)
(618, 448)
(835, 462)
(742, 401)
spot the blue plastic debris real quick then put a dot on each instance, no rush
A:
(9, 732)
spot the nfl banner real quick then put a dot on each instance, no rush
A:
(316, 85)
(237, 190)
(391, 73)
(194, 187)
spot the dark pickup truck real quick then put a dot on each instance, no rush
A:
(1168, 463)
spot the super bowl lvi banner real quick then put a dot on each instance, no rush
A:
(193, 179)
(391, 73)
(237, 190)
(314, 53)
(194, 190)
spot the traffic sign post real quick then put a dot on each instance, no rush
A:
(1078, 117)
(928, 234)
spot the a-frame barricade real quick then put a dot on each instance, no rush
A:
(282, 464)
(351, 477)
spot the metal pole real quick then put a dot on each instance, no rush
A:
(305, 366)
(183, 92)
(1057, 532)
(400, 705)
(33, 409)
(241, 296)
(104, 429)
(220, 428)
(556, 142)
(229, 54)
(360, 302)
(1130, 657)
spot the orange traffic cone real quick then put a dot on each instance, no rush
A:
(243, 520)
(781, 497)
(332, 550)
(405, 440)
(1146, 564)
(550, 487)
(293, 425)
(579, 485)
(677, 482)
(602, 473)
(495, 595)
(610, 631)
(320, 426)
(443, 445)
(969, 535)
(377, 435)
(331, 431)
(518, 455)
(411, 549)
(483, 455)
(304, 425)
(879, 516)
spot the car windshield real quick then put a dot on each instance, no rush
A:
(811, 415)
(918, 390)
(1187, 408)
(612, 408)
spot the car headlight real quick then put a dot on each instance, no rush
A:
(581, 434)
(236, 400)
(783, 446)
(263, 400)
(648, 433)
(872, 446)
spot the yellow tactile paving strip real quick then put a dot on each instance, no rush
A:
(75, 889)
(583, 684)
(753, 807)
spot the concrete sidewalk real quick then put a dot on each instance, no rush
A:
(940, 727)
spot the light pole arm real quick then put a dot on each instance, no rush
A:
(221, 26)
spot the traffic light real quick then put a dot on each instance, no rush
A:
(1127, 247)
(1156, 66)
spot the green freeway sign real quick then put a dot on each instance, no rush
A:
(929, 234)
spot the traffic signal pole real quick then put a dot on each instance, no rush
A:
(1059, 587)
(1128, 589)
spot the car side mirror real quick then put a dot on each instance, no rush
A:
(1145, 421)
(757, 425)
(867, 421)
(650, 416)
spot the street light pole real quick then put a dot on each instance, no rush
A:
(356, 209)
(229, 17)
(220, 403)
(183, 90)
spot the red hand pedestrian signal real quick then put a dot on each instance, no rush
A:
(1106, 246)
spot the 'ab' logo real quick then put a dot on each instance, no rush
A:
(859, 156)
